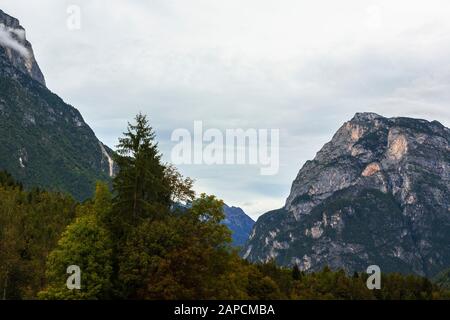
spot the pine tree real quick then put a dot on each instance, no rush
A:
(7, 180)
(296, 274)
(142, 189)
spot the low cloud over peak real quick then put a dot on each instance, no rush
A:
(9, 38)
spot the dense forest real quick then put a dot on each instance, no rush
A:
(131, 241)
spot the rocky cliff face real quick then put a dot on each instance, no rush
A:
(378, 193)
(16, 50)
(43, 141)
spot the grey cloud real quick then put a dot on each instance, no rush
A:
(306, 70)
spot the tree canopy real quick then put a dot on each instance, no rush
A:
(136, 241)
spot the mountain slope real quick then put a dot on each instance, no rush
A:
(235, 219)
(43, 141)
(377, 193)
(239, 223)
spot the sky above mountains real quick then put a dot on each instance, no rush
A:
(299, 66)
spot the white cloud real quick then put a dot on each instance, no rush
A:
(7, 39)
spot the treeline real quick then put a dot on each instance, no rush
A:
(134, 243)
(30, 225)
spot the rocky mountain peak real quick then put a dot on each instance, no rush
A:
(239, 223)
(378, 192)
(16, 53)
(43, 141)
(366, 116)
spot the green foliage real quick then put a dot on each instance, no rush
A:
(58, 152)
(181, 257)
(142, 189)
(326, 285)
(181, 187)
(443, 279)
(87, 244)
(262, 287)
(30, 226)
(143, 195)
(134, 245)
(296, 273)
(396, 286)
(6, 180)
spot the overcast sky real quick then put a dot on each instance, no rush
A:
(304, 67)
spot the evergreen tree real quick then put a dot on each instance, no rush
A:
(184, 256)
(7, 180)
(141, 187)
(296, 274)
(30, 226)
(134, 245)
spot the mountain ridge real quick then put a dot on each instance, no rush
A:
(44, 142)
(239, 223)
(17, 49)
(377, 193)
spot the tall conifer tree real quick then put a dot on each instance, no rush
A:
(142, 189)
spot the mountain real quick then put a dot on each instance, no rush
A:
(16, 50)
(239, 223)
(377, 193)
(236, 220)
(43, 141)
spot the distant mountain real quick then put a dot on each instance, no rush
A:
(236, 220)
(43, 141)
(239, 223)
(377, 193)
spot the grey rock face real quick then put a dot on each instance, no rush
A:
(44, 142)
(16, 49)
(377, 193)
